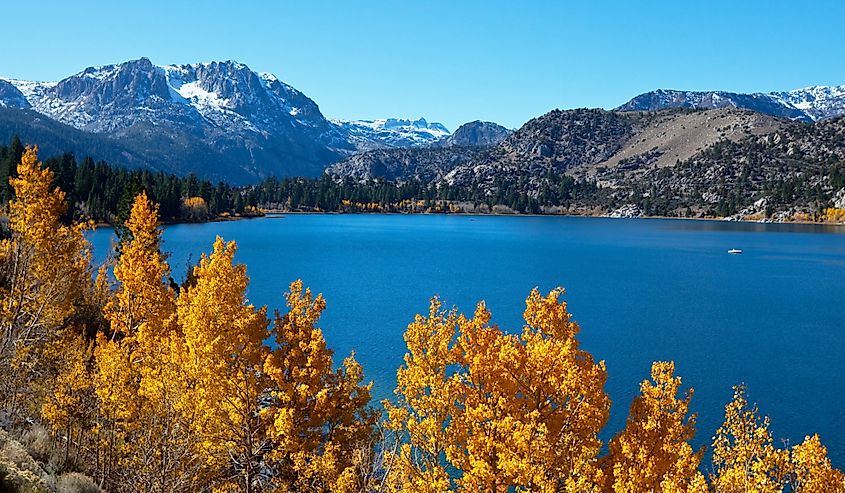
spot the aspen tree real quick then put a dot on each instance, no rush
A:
(812, 471)
(744, 456)
(138, 381)
(653, 452)
(222, 354)
(506, 411)
(320, 423)
(45, 270)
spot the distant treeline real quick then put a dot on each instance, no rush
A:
(347, 195)
(99, 191)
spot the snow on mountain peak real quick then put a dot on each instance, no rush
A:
(267, 76)
(807, 104)
(819, 102)
(392, 132)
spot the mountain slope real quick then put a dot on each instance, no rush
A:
(818, 102)
(798, 168)
(552, 143)
(667, 137)
(11, 96)
(424, 164)
(54, 138)
(662, 99)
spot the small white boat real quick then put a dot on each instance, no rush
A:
(734, 251)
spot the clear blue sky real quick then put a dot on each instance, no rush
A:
(450, 61)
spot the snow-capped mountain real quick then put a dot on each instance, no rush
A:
(808, 104)
(818, 102)
(220, 119)
(391, 132)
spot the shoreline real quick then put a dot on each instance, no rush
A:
(218, 219)
(277, 213)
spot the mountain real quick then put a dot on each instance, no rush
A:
(425, 164)
(808, 104)
(817, 102)
(763, 103)
(391, 132)
(797, 169)
(557, 140)
(552, 143)
(477, 133)
(11, 96)
(218, 119)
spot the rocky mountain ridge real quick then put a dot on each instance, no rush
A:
(808, 104)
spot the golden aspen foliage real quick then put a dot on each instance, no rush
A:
(811, 469)
(139, 379)
(744, 457)
(142, 297)
(222, 354)
(70, 408)
(45, 271)
(653, 452)
(195, 209)
(506, 411)
(320, 424)
(427, 392)
(562, 388)
(137, 313)
(834, 215)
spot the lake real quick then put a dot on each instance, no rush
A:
(641, 289)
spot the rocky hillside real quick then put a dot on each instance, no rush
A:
(672, 162)
(665, 138)
(424, 164)
(552, 143)
(468, 144)
(797, 168)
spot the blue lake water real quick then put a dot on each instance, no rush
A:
(642, 290)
